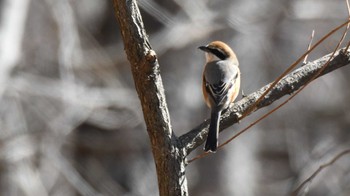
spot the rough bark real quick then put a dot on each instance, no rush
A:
(169, 158)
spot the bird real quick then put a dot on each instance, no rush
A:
(220, 86)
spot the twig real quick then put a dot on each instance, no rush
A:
(320, 168)
(309, 46)
(348, 8)
(290, 68)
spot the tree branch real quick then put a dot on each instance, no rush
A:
(289, 84)
(169, 159)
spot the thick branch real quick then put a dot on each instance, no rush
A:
(289, 84)
(145, 69)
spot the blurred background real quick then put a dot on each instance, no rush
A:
(71, 122)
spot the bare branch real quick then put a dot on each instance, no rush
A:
(314, 76)
(253, 105)
(321, 167)
(286, 86)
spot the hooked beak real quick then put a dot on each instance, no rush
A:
(204, 48)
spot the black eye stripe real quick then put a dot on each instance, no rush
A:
(219, 53)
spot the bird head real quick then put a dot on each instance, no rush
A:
(218, 50)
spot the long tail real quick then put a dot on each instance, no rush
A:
(212, 140)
